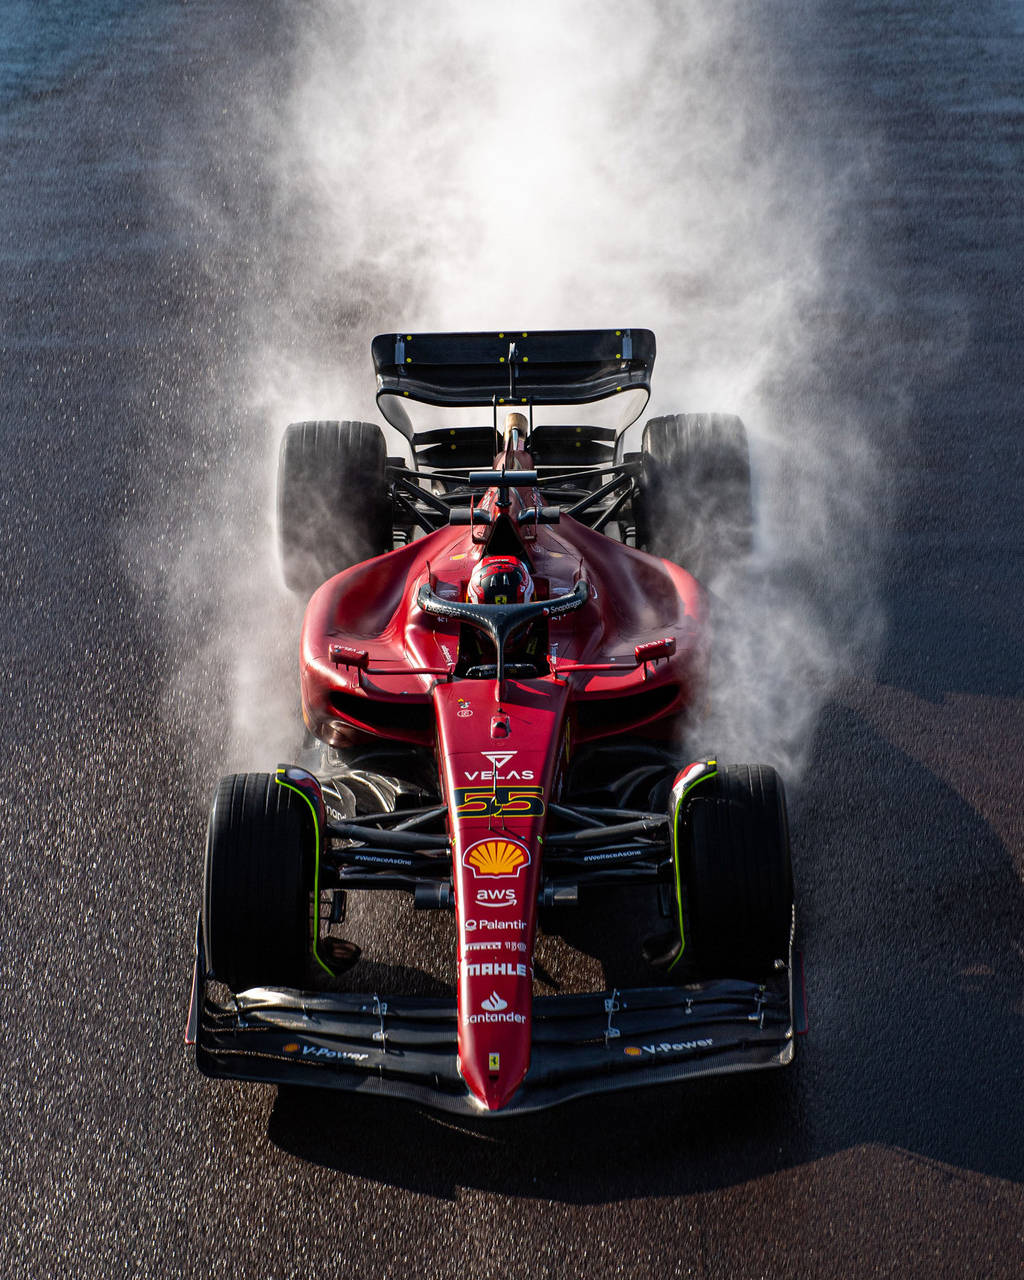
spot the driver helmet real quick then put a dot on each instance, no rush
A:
(500, 580)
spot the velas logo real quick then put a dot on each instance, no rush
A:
(498, 761)
(496, 857)
(494, 1003)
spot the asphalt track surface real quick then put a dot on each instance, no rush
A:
(894, 1146)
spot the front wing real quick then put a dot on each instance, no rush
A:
(405, 1047)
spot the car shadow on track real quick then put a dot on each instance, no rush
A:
(591, 1151)
(910, 911)
(914, 906)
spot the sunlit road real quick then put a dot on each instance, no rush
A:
(895, 1145)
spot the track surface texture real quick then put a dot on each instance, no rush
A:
(894, 1146)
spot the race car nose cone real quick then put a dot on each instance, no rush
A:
(494, 1075)
(499, 1094)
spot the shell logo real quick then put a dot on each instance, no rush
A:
(497, 858)
(632, 1051)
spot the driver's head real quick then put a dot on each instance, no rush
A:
(500, 580)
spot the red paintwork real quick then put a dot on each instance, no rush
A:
(635, 598)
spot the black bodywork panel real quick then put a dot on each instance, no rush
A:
(405, 1047)
(573, 366)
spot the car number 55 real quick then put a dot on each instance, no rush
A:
(495, 802)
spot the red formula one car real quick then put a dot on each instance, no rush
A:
(501, 660)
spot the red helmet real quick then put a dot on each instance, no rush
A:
(500, 580)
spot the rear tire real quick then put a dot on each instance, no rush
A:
(739, 875)
(256, 883)
(695, 503)
(333, 507)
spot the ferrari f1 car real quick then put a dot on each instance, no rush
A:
(506, 648)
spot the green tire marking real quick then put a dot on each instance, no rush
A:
(704, 777)
(316, 873)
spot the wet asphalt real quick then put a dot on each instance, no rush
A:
(894, 1145)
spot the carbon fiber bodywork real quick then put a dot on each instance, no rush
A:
(403, 1047)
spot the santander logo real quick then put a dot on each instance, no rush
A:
(494, 1009)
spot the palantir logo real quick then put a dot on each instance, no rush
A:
(494, 1003)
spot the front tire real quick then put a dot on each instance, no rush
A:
(256, 883)
(738, 873)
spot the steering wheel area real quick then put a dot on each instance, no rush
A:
(500, 622)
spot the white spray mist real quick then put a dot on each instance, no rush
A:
(464, 165)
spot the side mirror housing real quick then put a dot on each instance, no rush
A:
(654, 649)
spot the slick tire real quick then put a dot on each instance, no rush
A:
(333, 505)
(738, 872)
(256, 883)
(695, 505)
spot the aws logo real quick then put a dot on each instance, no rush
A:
(496, 898)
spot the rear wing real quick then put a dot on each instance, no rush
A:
(556, 367)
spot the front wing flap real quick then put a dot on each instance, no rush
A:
(582, 1044)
